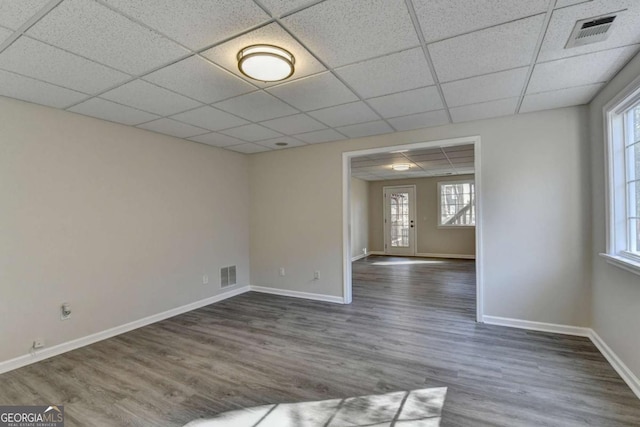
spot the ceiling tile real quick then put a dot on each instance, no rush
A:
(291, 125)
(252, 133)
(257, 106)
(199, 79)
(365, 129)
(493, 49)
(503, 84)
(226, 54)
(420, 120)
(409, 102)
(145, 96)
(343, 32)
(579, 70)
(216, 139)
(319, 136)
(4, 34)
(485, 110)
(441, 19)
(624, 31)
(565, 3)
(173, 128)
(345, 114)
(107, 110)
(248, 148)
(280, 7)
(312, 93)
(291, 142)
(560, 98)
(105, 36)
(14, 13)
(43, 62)
(27, 89)
(210, 118)
(388, 74)
(194, 23)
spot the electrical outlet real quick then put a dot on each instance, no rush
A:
(205, 280)
(38, 343)
(316, 275)
(282, 271)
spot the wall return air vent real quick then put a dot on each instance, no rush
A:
(591, 30)
(227, 276)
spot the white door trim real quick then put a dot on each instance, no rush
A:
(411, 251)
(346, 210)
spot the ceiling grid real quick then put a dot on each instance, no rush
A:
(363, 67)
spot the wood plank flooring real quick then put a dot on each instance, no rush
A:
(411, 325)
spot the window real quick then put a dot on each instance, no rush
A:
(622, 119)
(456, 204)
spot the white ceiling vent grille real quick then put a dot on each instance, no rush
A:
(591, 30)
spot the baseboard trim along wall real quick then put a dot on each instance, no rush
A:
(46, 353)
(357, 257)
(537, 326)
(452, 256)
(623, 370)
(430, 255)
(297, 294)
(618, 365)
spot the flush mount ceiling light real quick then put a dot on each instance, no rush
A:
(266, 63)
(400, 167)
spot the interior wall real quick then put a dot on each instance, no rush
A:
(535, 222)
(616, 292)
(430, 238)
(120, 223)
(359, 217)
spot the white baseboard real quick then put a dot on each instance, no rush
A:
(537, 326)
(623, 370)
(297, 294)
(357, 257)
(430, 255)
(46, 353)
(453, 256)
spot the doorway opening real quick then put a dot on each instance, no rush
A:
(406, 216)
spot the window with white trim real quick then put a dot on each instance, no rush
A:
(456, 204)
(622, 120)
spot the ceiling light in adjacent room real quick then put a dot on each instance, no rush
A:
(400, 167)
(266, 63)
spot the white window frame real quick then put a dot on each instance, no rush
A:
(460, 181)
(617, 234)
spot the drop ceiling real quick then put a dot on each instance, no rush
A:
(424, 162)
(363, 67)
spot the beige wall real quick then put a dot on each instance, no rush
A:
(616, 292)
(534, 166)
(429, 238)
(120, 223)
(359, 216)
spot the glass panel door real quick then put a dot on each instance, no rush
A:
(399, 220)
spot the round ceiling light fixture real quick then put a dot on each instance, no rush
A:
(401, 167)
(266, 62)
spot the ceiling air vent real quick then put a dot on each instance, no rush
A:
(590, 30)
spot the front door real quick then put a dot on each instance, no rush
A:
(399, 220)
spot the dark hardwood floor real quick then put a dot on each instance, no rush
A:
(411, 325)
